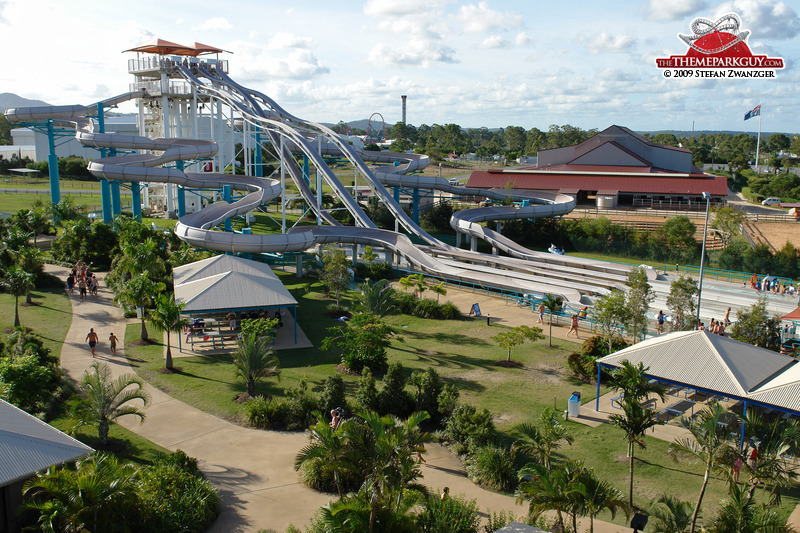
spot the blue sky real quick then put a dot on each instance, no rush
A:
(484, 63)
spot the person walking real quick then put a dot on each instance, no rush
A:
(112, 341)
(660, 321)
(541, 314)
(92, 338)
(574, 326)
(82, 287)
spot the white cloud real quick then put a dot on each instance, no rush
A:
(256, 65)
(672, 10)
(479, 18)
(764, 19)
(493, 41)
(604, 42)
(416, 52)
(522, 39)
(393, 8)
(288, 40)
(215, 23)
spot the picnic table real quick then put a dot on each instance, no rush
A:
(676, 409)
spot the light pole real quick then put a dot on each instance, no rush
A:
(707, 198)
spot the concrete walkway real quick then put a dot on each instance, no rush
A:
(252, 469)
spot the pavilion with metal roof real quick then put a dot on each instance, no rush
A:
(227, 283)
(27, 446)
(718, 366)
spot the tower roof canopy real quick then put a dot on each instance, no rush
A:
(163, 47)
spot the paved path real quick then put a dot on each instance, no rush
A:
(252, 469)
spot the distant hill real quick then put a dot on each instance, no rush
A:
(11, 100)
(685, 133)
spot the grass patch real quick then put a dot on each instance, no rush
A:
(50, 316)
(13, 202)
(462, 352)
(126, 445)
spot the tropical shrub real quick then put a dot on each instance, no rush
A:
(469, 428)
(95, 244)
(333, 394)
(449, 515)
(393, 398)
(491, 467)
(175, 498)
(362, 341)
(367, 393)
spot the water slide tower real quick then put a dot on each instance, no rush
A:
(403, 98)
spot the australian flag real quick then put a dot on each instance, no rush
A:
(756, 111)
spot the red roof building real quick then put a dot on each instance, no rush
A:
(616, 166)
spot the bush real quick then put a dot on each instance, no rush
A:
(363, 342)
(95, 244)
(263, 413)
(448, 399)
(393, 398)
(451, 515)
(174, 497)
(367, 393)
(584, 364)
(492, 467)
(428, 396)
(333, 394)
(319, 474)
(467, 428)
(409, 304)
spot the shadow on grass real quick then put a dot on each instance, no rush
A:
(446, 338)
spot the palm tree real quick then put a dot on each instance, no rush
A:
(632, 380)
(139, 292)
(109, 399)
(710, 439)
(384, 449)
(668, 514)
(595, 494)
(167, 317)
(635, 422)
(376, 298)
(96, 496)
(326, 452)
(740, 514)
(439, 289)
(254, 359)
(18, 281)
(547, 489)
(30, 259)
(406, 282)
(775, 443)
(541, 440)
(419, 284)
(553, 304)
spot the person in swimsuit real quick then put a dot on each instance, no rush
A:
(112, 341)
(92, 338)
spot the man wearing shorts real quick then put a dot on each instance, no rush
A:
(92, 338)
(113, 340)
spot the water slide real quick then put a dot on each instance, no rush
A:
(196, 228)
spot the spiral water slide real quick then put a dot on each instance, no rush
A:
(600, 276)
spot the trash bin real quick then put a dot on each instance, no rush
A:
(574, 405)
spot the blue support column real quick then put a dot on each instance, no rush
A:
(744, 416)
(306, 169)
(597, 399)
(116, 202)
(294, 309)
(136, 198)
(396, 194)
(258, 160)
(105, 185)
(226, 195)
(415, 206)
(181, 193)
(52, 164)
(105, 194)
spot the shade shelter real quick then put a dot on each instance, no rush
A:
(163, 47)
(718, 366)
(226, 283)
(28, 445)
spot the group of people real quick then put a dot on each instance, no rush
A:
(771, 284)
(93, 338)
(80, 276)
(716, 326)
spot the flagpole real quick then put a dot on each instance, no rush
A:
(758, 141)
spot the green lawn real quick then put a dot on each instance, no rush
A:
(13, 202)
(43, 182)
(462, 352)
(50, 316)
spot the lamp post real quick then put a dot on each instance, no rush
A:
(707, 198)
